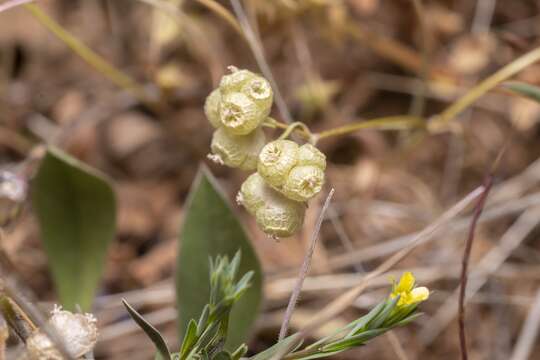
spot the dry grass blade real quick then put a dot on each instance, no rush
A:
(511, 239)
(223, 13)
(465, 265)
(529, 332)
(304, 269)
(345, 300)
(440, 122)
(258, 52)
(88, 55)
(13, 3)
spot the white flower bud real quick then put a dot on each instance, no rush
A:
(78, 333)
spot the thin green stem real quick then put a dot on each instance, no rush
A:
(296, 125)
(441, 121)
(275, 124)
(385, 123)
(88, 55)
(400, 122)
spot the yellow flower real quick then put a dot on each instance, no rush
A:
(408, 294)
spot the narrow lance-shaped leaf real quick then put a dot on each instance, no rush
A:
(527, 90)
(151, 332)
(211, 228)
(76, 210)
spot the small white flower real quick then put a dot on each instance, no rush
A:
(77, 331)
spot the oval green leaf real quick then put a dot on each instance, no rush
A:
(76, 210)
(211, 228)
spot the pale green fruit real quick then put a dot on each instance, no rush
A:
(235, 81)
(211, 108)
(303, 182)
(276, 160)
(237, 151)
(253, 193)
(260, 91)
(310, 155)
(280, 217)
(240, 114)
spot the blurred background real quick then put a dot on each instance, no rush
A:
(335, 62)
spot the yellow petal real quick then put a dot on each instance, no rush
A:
(406, 282)
(419, 294)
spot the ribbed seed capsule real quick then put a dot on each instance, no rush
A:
(234, 81)
(310, 155)
(239, 114)
(276, 161)
(280, 217)
(303, 182)
(211, 108)
(260, 91)
(237, 151)
(253, 193)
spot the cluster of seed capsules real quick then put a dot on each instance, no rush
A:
(287, 174)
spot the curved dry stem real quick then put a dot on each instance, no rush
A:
(223, 13)
(440, 122)
(88, 55)
(297, 126)
(399, 122)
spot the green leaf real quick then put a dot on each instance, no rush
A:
(211, 228)
(76, 211)
(384, 313)
(153, 334)
(241, 351)
(364, 320)
(355, 340)
(223, 355)
(290, 343)
(189, 339)
(526, 90)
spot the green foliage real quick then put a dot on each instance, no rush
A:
(76, 210)
(206, 338)
(526, 90)
(382, 318)
(208, 335)
(151, 332)
(211, 228)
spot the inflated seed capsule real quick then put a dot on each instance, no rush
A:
(237, 151)
(234, 81)
(280, 217)
(211, 108)
(303, 182)
(253, 193)
(276, 160)
(310, 155)
(239, 114)
(260, 91)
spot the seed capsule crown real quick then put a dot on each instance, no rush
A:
(259, 90)
(237, 151)
(211, 108)
(239, 114)
(234, 81)
(303, 182)
(276, 161)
